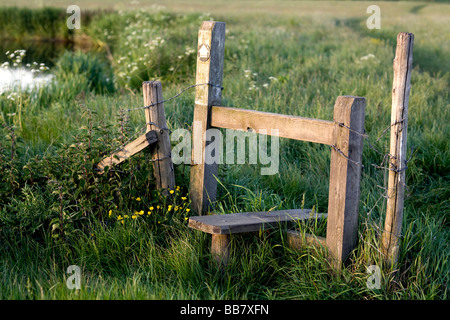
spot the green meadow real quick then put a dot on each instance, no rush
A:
(286, 57)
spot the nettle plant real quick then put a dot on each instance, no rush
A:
(56, 193)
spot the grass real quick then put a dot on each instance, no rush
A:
(314, 55)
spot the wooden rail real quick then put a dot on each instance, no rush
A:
(291, 127)
(130, 149)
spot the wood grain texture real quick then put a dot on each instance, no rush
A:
(162, 169)
(401, 88)
(292, 127)
(345, 177)
(203, 186)
(130, 149)
(248, 221)
(220, 248)
(297, 241)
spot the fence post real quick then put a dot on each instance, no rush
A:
(156, 120)
(345, 177)
(399, 121)
(211, 45)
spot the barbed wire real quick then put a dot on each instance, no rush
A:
(140, 131)
(175, 96)
(364, 134)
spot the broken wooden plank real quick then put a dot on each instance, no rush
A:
(291, 127)
(130, 149)
(248, 221)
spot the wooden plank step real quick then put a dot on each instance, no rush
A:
(249, 221)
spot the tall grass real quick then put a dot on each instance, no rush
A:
(291, 66)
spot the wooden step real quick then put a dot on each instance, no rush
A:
(249, 221)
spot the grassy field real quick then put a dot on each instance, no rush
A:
(285, 57)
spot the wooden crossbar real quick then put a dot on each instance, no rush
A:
(130, 149)
(291, 127)
(249, 221)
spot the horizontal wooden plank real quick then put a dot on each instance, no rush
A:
(296, 240)
(248, 221)
(292, 127)
(130, 149)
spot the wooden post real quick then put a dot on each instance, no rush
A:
(211, 45)
(161, 151)
(345, 177)
(220, 248)
(399, 121)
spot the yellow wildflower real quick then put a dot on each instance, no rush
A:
(119, 217)
(109, 213)
(141, 212)
(186, 218)
(149, 213)
(133, 217)
(183, 198)
(138, 199)
(178, 188)
(171, 191)
(169, 208)
(157, 207)
(122, 221)
(126, 216)
(151, 208)
(187, 210)
(176, 208)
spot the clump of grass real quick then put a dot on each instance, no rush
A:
(43, 23)
(86, 70)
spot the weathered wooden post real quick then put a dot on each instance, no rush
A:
(211, 45)
(399, 122)
(345, 177)
(161, 150)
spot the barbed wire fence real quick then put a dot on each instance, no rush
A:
(385, 163)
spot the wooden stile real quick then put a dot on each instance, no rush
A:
(399, 122)
(156, 121)
(344, 135)
(211, 45)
